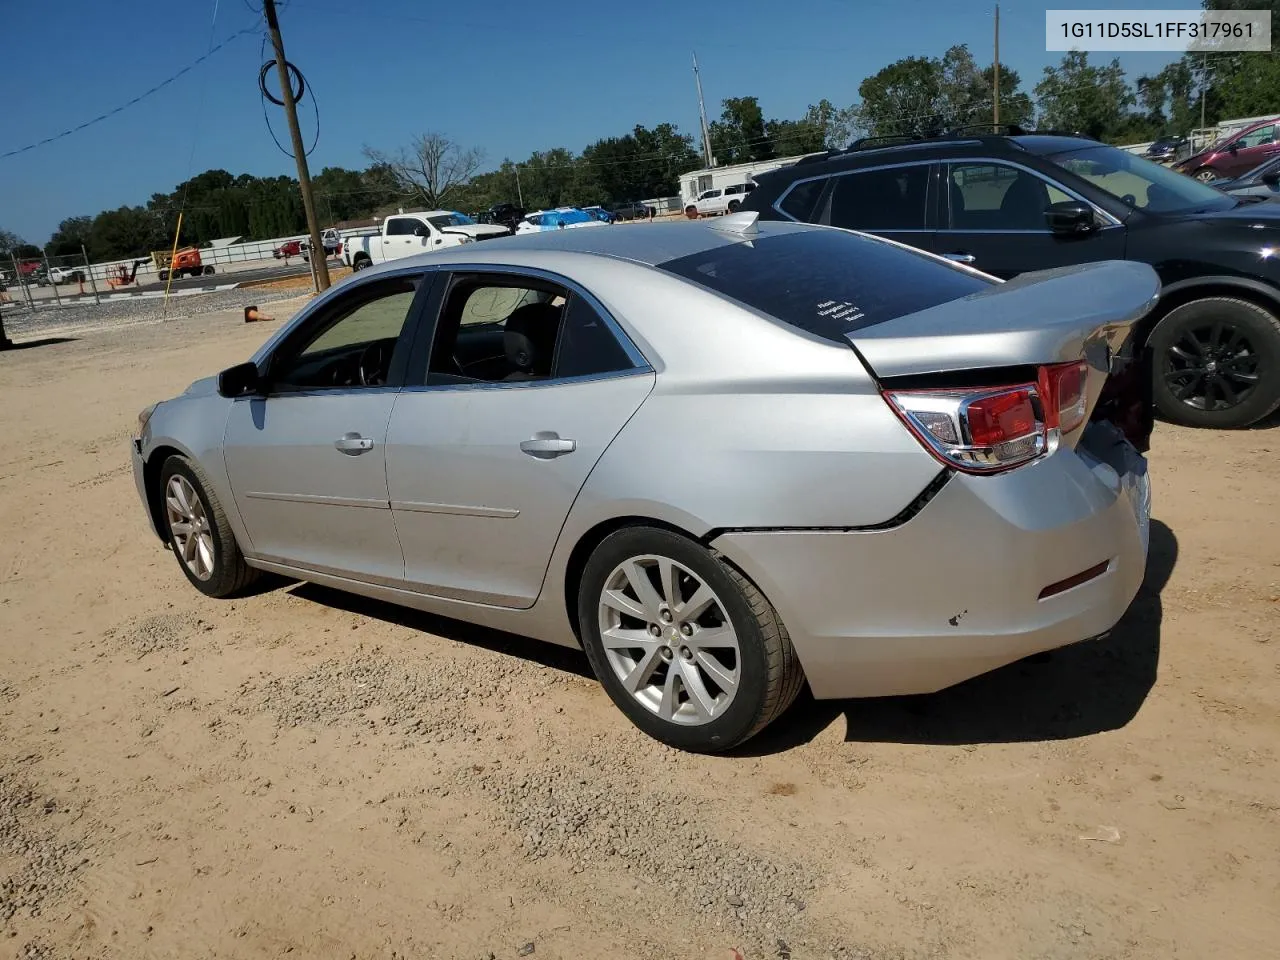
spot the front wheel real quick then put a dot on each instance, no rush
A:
(683, 643)
(1216, 363)
(691, 212)
(1205, 174)
(198, 531)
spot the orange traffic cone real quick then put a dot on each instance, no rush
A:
(251, 315)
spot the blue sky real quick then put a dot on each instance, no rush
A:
(510, 77)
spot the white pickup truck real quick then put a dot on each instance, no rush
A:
(709, 203)
(405, 234)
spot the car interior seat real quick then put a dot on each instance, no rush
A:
(529, 340)
(1024, 203)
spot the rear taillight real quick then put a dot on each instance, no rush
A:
(989, 429)
(1063, 387)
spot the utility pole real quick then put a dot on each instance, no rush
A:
(996, 101)
(1204, 82)
(519, 192)
(299, 151)
(702, 113)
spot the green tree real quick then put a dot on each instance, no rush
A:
(9, 241)
(71, 234)
(1078, 97)
(739, 135)
(837, 125)
(924, 96)
(128, 232)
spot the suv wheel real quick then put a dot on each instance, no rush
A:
(1216, 363)
(1205, 174)
(683, 643)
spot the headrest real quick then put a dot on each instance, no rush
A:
(529, 338)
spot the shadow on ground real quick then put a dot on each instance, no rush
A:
(564, 659)
(29, 344)
(1072, 692)
(1075, 691)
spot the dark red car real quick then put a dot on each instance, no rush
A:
(1234, 154)
(290, 248)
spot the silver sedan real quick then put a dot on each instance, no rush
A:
(724, 459)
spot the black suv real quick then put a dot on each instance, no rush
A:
(1022, 202)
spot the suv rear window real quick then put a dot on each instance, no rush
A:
(826, 282)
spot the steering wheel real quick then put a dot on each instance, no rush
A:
(374, 364)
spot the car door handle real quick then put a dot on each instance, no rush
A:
(960, 257)
(545, 446)
(353, 444)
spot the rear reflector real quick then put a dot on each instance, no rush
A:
(1084, 576)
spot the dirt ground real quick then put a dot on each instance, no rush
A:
(305, 773)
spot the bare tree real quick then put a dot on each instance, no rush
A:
(432, 168)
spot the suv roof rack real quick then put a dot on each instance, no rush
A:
(971, 131)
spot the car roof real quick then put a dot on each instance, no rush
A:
(649, 243)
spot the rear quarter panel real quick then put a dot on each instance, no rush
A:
(750, 424)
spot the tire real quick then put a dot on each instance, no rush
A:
(162, 275)
(733, 206)
(768, 674)
(691, 212)
(361, 263)
(216, 567)
(1209, 351)
(1205, 174)
(208, 270)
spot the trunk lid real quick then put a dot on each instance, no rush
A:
(1051, 316)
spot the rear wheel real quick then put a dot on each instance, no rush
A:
(1216, 363)
(683, 643)
(198, 531)
(733, 206)
(361, 262)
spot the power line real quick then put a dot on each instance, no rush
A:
(138, 99)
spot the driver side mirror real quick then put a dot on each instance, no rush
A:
(1233, 147)
(242, 380)
(1271, 178)
(1070, 218)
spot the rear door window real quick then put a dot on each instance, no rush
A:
(826, 282)
(802, 198)
(891, 198)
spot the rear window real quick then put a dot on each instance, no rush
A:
(826, 282)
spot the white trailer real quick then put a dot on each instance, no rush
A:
(697, 182)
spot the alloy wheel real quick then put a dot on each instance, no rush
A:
(1212, 367)
(669, 641)
(189, 527)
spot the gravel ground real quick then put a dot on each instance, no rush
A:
(23, 325)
